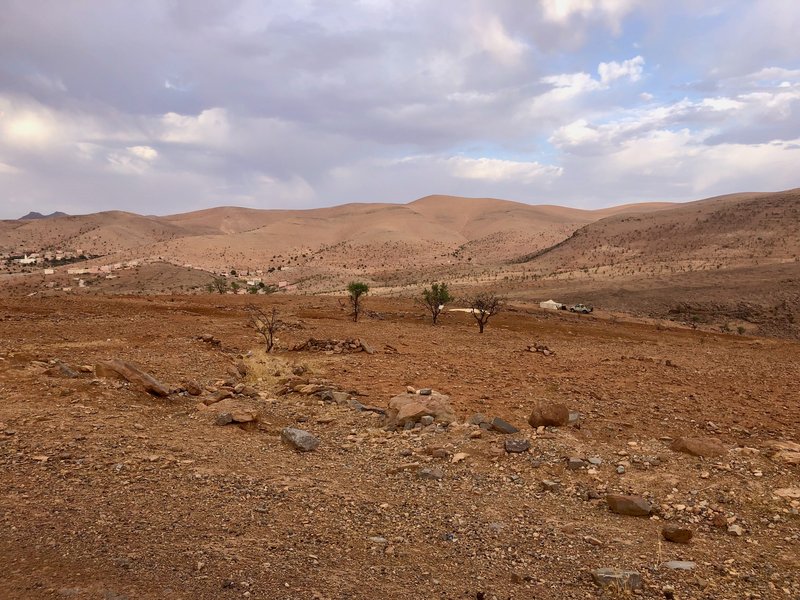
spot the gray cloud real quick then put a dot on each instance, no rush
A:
(171, 105)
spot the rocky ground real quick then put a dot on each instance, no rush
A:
(110, 491)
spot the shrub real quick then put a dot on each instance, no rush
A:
(356, 289)
(434, 299)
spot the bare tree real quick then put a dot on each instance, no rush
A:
(265, 323)
(356, 289)
(484, 306)
(434, 298)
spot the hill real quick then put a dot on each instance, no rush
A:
(37, 215)
(723, 232)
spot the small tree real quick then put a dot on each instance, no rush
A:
(356, 289)
(218, 284)
(484, 306)
(434, 299)
(265, 323)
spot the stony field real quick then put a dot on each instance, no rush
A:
(670, 457)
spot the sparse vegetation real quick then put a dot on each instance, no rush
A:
(266, 324)
(484, 306)
(357, 289)
(434, 298)
(218, 284)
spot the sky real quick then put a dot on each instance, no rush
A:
(167, 106)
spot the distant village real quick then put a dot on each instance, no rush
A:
(65, 262)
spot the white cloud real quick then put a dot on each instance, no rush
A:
(494, 39)
(611, 71)
(134, 160)
(143, 152)
(494, 169)
(610, 11)
(211, 126)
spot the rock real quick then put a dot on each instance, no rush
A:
(574, 463)
(310, 388)
(249, 391)
(736, 530)
(425, 392)
(410, 408)
(699, 446)
(477, 419)
(618, 579)
(548, 414)
(133, 374)
(517, 446)
(620, 470)
(426, 420)
(550, 486)
(680, 565)
(431, 473)
(300, 440)
(61, 370)
(459, 456)
(193, 388)
(238, 409)
(411, 389)
(676, 534)
(367, 348)
(596, 461)
(633, 506)
(218, 396)
(792, 492)
(502, 426)
(593, 541)
(784, 452)
(223, 419)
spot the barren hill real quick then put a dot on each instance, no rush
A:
(727, 231)
(373, 235)
(103, 233)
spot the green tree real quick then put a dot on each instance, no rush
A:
(356, 289)
(218, 284)
(434, 298)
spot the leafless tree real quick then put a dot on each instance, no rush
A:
(484, 306)
(265, 323)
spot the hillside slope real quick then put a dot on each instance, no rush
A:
(724, 232)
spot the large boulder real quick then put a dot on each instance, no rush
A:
(410, 408)
(706, 447)
(548, 414)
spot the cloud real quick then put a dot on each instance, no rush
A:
(494, 38)
(494, 169)
(611, 71)
(313, 103)
(565, 11)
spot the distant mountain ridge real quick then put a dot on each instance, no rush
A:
(33, 215)
(452, 234)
